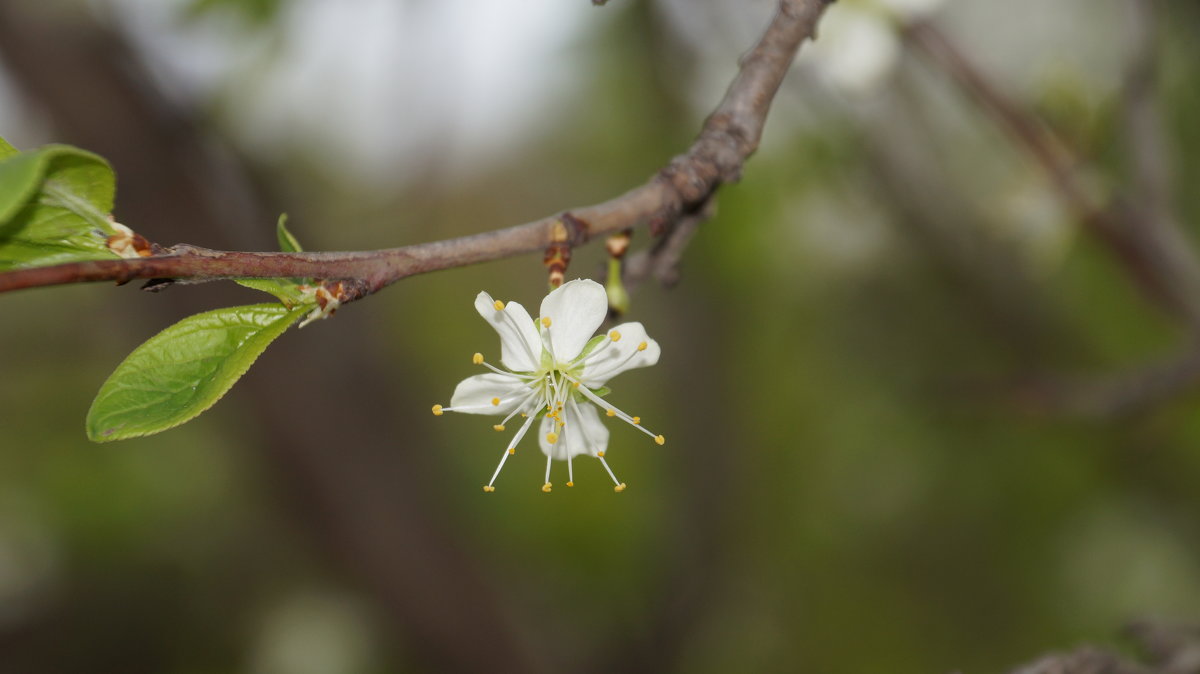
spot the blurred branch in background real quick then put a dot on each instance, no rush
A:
(1140, 229)
(1168, 648)
(1152, 249)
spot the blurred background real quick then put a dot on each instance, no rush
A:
(924, 413)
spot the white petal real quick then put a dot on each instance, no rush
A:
(474, 395)
(611, 359)
(575, 310)
(583, 433)
(520, 345)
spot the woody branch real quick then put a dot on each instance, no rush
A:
(728, 137)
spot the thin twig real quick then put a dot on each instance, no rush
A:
(729, 136)
(662, 260)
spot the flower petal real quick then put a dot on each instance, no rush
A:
(475, 395)
(520, 345)
(583, 433)
(575, 310)
(610, 360)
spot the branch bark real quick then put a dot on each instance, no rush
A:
(727, 139)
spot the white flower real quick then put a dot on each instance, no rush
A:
(858, 46)
(555, 371)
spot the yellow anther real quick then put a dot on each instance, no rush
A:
(611, 413)
(498, 427)
(614, 336)
(477, 359)
(642, 346)
(437, 410)
(561, 423)
(550, 415)
(637, 420)
(552, 438)
(547, 487)
(499, 305)
(496, 402)
(575, 385)
(523, 415)
(512, 450)
(660, 440)
(546, 322)
(489, 488)
(619, 488)
(600, 454)
(570, 484)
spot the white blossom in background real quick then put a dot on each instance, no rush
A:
(857, 47)
(555, 373)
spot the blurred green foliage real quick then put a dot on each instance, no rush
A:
(851, 482)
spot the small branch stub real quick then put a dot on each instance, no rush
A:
(558, 253)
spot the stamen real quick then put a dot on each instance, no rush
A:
(496, 402)
(519, 406)
(613, 411)
(570, 472)
(552, 438)
(437, 410)
(499, 305)
(489, 488)
(506, 373)
(512, 449)
(660, 440)
(546, 487)
(620, 486)
(546, 322)
(498, 427)
(610, 413)
(614, 336)
(642, 346)
(477, 358)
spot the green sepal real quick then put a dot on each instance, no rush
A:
(184, 370)
(590, 347)
(601, 392)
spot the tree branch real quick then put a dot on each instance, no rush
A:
(728, 137)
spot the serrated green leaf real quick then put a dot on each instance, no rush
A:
(54, 205)
(184, 370)
(287, 242)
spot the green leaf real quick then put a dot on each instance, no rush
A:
(287, 242)
(6, 149)
(183, 370)
(285, 290)
(54, 205)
